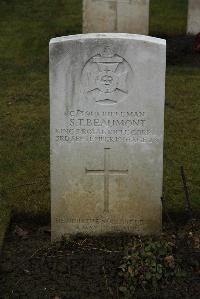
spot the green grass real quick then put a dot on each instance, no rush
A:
(26, 27)
(168, 17)
(182, 133)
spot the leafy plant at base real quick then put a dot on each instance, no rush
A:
(146, 263)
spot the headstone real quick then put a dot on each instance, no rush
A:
(107, 113)
(193, 26)
(130, 16)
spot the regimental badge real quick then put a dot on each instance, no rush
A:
(106, 77)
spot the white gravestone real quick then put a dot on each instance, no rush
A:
(193, 26)
(130, 16)
(107, 116)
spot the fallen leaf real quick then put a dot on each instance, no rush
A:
(20, 232)
(169, 261)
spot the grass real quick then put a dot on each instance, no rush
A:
(182, 133)
(168, 17)
(26, 27)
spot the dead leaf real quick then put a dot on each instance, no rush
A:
(20, 232)
(169, 261)
(196, 243)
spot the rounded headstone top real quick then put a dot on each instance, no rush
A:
(127, 36)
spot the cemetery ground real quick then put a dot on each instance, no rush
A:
(88, 267)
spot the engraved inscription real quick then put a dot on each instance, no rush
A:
(106, 78)
(106, 127)
(94, 224)
(106, 172)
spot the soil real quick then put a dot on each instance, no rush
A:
(182, 50)
(84, 267)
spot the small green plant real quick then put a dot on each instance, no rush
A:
(67, 241)
(146, 263)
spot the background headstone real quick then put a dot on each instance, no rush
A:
(107, 117)
(131, 16)
(193, 26)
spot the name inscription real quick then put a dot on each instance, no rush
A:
(106, 127)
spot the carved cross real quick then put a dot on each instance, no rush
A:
(106, 172)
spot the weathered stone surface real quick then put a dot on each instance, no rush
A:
(99, 16)
(130, 16)
(193, 26)
(107, 113)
